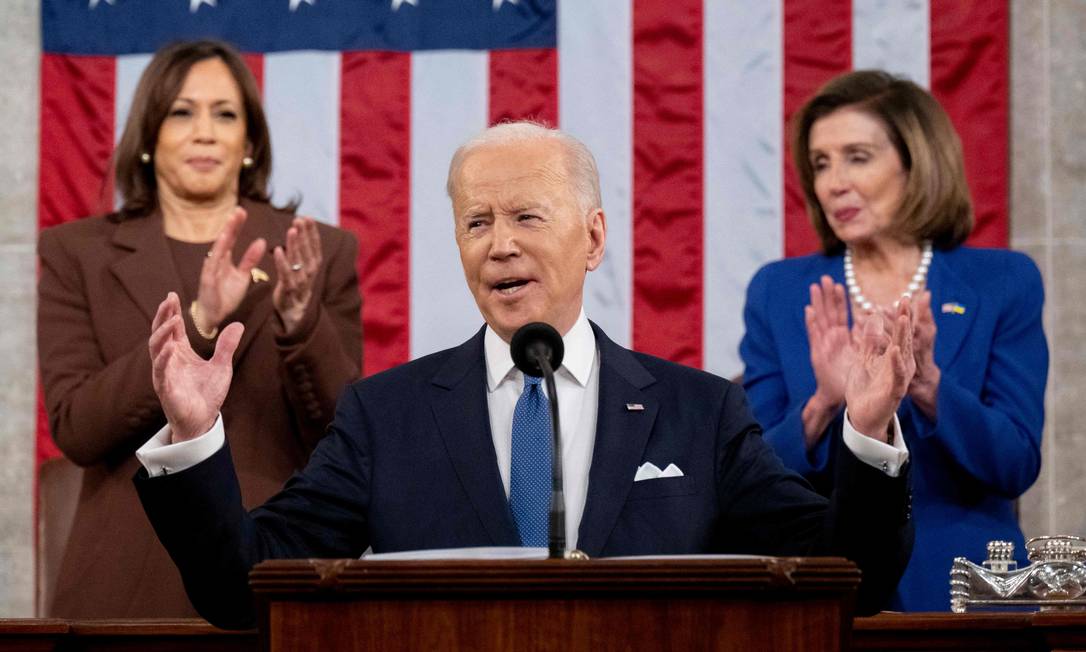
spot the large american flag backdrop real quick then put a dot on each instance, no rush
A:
(683, 102)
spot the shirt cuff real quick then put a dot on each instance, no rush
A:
(160, 457)
(874, 452)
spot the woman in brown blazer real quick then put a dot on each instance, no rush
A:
(192, 169)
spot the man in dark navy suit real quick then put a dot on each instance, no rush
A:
(658, 458)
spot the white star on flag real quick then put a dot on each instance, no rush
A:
(94, 3)
(498, 3)
(294, 4)
(396, 4)
(196, 4)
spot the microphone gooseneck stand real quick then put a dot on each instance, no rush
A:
(536, 349)
(557, 539)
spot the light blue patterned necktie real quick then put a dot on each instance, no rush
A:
(530, 472)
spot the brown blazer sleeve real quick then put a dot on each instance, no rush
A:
(326, 352)
(94, 408)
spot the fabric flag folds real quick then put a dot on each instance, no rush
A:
(683, 102)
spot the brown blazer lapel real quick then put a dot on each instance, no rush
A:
(147, 271)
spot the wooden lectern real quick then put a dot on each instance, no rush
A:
(601, 604)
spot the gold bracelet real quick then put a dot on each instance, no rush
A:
(193, 312)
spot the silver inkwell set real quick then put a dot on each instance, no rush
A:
(1055, 578)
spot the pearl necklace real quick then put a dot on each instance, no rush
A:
(915, 284)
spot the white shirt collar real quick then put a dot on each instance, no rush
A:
(579, 342)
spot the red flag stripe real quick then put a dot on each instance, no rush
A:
(76, 143)
(969, 77)
(76, 137)
(375, 195)
(255, 61)
(46, 448)
(667, 179)
(524, 85)
(817, 47)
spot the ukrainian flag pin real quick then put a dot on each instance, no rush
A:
(954, 308)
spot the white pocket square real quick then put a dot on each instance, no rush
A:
(649, 471)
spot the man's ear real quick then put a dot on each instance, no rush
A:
(596, 231)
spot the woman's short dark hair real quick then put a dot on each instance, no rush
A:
(159, 86)
(936, 205)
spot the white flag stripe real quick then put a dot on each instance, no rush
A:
(893, 35)
(595, 62)
(449, 94)
(128, 71)
(743, 163)
(301, 101)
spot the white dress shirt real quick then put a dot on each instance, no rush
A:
(577, 381)
(578, 385)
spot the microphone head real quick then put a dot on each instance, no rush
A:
(532, 340)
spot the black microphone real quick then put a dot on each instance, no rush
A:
(534, 344)
(537, 350)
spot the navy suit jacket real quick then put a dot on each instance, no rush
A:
(409, 463)
(985, 448)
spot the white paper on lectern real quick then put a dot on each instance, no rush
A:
(493, 553)
(691, 557)
(497, 553)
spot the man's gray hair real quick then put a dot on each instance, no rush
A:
(580, 164)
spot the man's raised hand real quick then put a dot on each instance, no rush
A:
(190, 389)
(882, 373)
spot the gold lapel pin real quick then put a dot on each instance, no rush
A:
(258, 275)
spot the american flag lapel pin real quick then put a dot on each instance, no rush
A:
(635, 407)
(953, 308)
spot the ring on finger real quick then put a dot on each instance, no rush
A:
(296, 267)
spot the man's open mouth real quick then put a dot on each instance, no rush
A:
(510, 286)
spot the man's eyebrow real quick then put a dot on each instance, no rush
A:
(522, 206)
(475, 211)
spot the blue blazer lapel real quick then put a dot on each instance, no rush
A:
(950, 291)
(460, 410)
(621, 436)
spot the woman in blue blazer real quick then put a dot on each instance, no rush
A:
(881, 169)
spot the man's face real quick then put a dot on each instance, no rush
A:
(524, 241)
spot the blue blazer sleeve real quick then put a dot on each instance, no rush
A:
(989, 422)
(764, 377)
